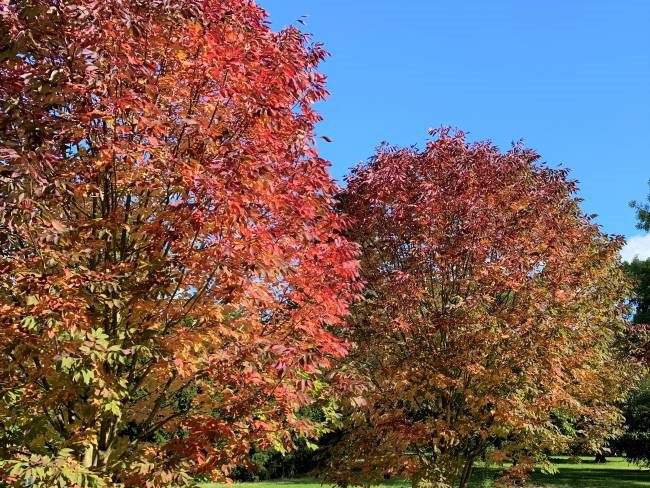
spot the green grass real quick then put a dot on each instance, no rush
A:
(616, 473)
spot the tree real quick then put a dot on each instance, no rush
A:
(173, 274)
(639, 272)
(635, 442)
(492, 306)
(642, 213)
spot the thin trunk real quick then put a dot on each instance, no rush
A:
(467, 472)
(89, 456)
(107, 434)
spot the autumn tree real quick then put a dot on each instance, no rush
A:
(173, 275)
(492, 307)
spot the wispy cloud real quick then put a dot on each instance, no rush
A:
(636, 246)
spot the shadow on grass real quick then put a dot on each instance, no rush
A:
(595, 478)
(576, 477)
(586, 474)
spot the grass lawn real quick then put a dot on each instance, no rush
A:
(616, 473)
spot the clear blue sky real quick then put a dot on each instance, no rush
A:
(570, 77)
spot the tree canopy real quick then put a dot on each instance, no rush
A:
(173, 269)
(642, 213)
(635, 442)
(492, 307)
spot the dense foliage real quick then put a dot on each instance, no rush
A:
(177, 280)
(172, 269)
(642, 213)
(492, 307)
(635, 443)
(639, 271)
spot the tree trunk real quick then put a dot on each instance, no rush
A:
(467, 472)
(89, 456)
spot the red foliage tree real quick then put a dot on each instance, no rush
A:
(492, 309)
(172, 269)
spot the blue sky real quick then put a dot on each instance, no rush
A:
(570, 77)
